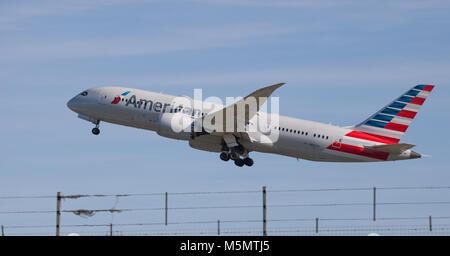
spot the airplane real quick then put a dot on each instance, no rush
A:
(376, 139)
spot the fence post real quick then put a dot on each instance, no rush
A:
(374, 203)
(167, 206)
(317, 225)
(264, 211)
(431, 224)
(58, 214)
(218, 227)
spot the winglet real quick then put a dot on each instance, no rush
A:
(266, 91)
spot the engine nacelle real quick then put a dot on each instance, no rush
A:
(175, 126)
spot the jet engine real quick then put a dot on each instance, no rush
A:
(175, 126)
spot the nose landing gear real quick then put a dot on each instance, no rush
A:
(96, 130)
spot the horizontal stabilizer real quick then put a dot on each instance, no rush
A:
(392, 148)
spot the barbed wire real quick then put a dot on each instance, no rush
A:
(77, 196)
(233, 221)
(91, 212)
(84, 211)
(273, 231)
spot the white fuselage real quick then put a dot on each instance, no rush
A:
(297, 138)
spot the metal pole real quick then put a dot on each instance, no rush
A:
(3, 231)
(58, 213)
(218, 227)
(317, 225)
(264, 211)
(374, 204)
(110, 229)
(167, 206)
(431, 225)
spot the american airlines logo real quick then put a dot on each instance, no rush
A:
(118, 99)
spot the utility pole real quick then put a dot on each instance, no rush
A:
(264, 211)
(110, 230)
(374, 203)
(58, 213)
(167, 206)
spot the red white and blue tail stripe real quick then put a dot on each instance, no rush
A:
(390, 123)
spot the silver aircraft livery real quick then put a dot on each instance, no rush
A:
(234, 130)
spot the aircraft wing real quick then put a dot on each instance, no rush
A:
(233, 118)
(392, 148)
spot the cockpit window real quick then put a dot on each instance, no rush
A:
(85, 93)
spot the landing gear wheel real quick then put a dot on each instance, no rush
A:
(248, 161)
(234, 156)
(224, 156)
(239, 162)
(96, 131)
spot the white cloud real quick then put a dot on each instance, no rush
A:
(403, 4)
(385, 76)
(277, 3)
(122, 45)
(12, 14)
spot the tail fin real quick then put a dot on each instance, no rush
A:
(390, 123)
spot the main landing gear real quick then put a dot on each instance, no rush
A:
(235, 154)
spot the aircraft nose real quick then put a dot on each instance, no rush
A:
(72, 104)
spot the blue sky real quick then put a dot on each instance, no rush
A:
(342, 61)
